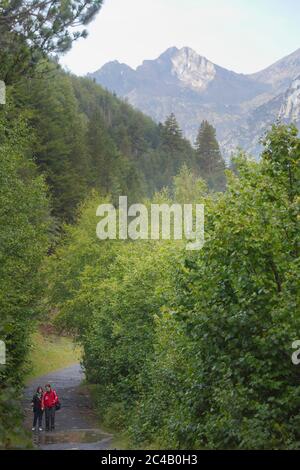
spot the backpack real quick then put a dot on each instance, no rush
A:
(57, 404)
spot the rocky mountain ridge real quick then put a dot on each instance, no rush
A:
(240, 106)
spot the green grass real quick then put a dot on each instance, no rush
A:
(49, 353)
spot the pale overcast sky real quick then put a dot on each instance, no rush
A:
(241, 35)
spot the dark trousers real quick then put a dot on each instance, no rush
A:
(50, 418)
(37, 416)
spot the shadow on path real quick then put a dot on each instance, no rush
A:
(75, 424)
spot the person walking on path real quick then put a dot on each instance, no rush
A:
(50, 402)
(37, 408)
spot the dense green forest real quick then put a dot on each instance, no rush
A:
(193, 349)
(186, 349)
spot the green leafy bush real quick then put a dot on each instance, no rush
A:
(23, 244)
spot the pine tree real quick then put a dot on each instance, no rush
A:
(171, 133)
(209, 159)
(32, 29)
(174, 151)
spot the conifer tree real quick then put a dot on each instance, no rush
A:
(175, 150)
(171, 133)
(32, 29)
(209, 159)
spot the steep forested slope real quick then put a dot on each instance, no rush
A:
(85, 138)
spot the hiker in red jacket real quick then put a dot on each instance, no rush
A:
(50, 402)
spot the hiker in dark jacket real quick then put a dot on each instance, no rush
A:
(38, 408)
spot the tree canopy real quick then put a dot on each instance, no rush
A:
(32, 29)
(208, 156)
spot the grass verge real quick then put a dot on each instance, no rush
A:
(50, 352)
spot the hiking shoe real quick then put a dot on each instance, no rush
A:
(40, 429)
(33, 429)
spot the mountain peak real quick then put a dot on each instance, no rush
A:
(168, 53)
(188, 51)
(192, 69)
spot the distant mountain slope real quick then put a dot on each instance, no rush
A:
(284, 107)
(280, 74)
(181, 81)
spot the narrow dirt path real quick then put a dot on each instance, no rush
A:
(75, 424)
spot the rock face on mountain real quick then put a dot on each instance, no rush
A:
(241, 107)
(290, 108)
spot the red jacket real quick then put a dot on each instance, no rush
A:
(50, 399)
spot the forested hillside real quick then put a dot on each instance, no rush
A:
(193, 350)
(87, 138)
